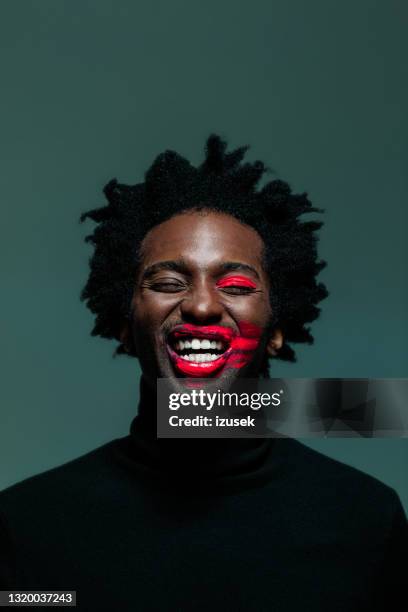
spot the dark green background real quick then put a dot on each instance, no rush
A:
(96, 89)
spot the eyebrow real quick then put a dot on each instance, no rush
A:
(231, 266)
(180, 266)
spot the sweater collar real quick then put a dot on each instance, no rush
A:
(201, 462)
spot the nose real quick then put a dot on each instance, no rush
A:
(202, 305)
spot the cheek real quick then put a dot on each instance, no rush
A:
(151, 310)
(255, 309)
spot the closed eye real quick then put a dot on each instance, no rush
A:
(237, 290)
(166, 286)
(236, 284)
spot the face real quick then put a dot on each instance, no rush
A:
(201, 302)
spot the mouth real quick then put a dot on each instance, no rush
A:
(199, 350)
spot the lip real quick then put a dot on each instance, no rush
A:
(198, 369)
(203, 331)
(215, 332)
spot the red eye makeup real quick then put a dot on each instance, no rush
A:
(236, 281)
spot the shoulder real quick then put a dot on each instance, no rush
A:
(45, 513)
(59, 484)
(334, 483)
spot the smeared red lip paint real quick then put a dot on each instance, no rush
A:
(239, 352)
(244, 345)
(215, 332)
(200, 370)
(236, 281)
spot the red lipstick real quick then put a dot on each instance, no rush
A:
(238, 347)
(215, 332)
(210, 332)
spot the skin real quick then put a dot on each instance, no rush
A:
(198, 291)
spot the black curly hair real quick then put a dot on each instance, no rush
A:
(222, 183)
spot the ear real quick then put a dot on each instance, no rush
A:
(275, 343)
(125, 337)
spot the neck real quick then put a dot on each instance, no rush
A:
(198, 457)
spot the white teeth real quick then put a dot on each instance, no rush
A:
(200, 358)
(196, 344)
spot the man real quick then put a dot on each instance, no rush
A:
(198, 272)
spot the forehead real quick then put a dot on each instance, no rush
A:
(203, 238)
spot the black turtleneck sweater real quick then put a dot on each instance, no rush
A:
(206, 525)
